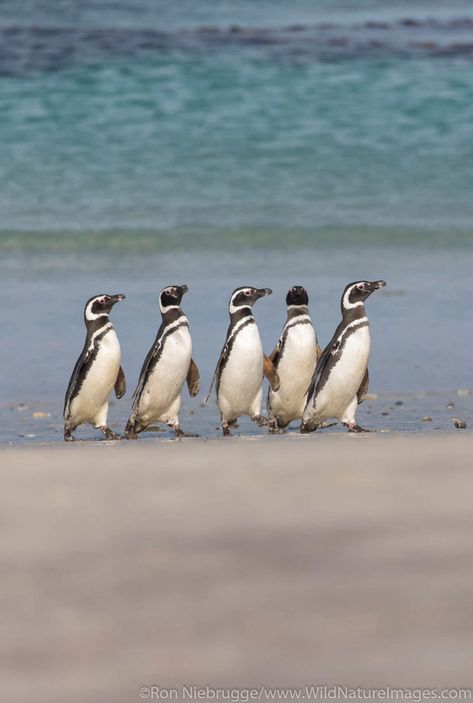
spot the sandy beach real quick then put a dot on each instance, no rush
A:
(214, 145)
(284, 561)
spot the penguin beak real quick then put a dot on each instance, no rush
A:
(375, 285)
(117, 298)
(183, 289)
(261, 292)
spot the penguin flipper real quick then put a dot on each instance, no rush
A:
(271, 373)
(363, 389)
(216, 376)
(193, 379)
(148, 366)
(120, 384)
(80, 363)
(273, 357)
(318, 352)
(323, 358)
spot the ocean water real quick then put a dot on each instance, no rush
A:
(221, 143)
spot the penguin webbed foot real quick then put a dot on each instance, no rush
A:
(307, 427)
(180, 433)
(353, 427)
(226, 429)
(130, 431)
(108, 433)
(260, 420)
(276, 426)
(68, 436)
(131, 434)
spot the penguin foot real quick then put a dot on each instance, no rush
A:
(131, 434)
(130, 431)
(68, 437)
(353, 427)
(260, 420)
(108, 433)
(307, 427)
(272, 426)
(233, 423)
(181, 433)
(226, 429)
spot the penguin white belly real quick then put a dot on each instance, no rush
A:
(345, 377)
(99, 381)
(161, 397)
(295, 370)
(241, 382)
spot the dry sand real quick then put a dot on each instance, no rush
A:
(279, 561)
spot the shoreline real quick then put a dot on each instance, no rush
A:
(423, 414)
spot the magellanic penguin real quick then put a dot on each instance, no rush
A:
(168, 364)
(295, 358)
(340, 380)
(96, 372)
(239, 373)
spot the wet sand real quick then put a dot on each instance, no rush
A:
(281, 561)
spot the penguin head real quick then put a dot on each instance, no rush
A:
(357, 292)
(100, 305)
(246, 297)
(171, 297)
(297, 295)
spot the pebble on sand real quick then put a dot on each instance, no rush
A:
(463, 391)
(459, 423)
(426, 418)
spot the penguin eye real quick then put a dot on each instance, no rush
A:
(247, 292)
(360, 286)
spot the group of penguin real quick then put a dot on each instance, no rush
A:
(305, 383)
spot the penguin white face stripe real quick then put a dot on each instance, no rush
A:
(245, 304)
(165, 308)
(346, 300)
(296, 307)
(234, 308)
(89, 315)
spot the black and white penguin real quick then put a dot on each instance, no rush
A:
(295, 358)
(340, 380)
(168, 364)
(96, 372)
(240, 369)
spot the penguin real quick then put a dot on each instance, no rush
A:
(340, 380)
(96, 372)
(169, 363)
(242, 363)
(295, 358)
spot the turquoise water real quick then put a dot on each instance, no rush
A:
(233, 117)
(222, 143)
